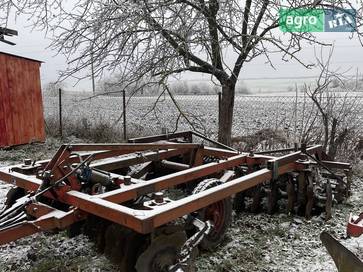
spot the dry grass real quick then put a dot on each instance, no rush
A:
(97, 131)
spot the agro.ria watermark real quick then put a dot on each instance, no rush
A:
(317, 20)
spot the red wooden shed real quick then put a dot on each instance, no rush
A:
(21, 106)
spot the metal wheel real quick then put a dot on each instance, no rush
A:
(256, 199)
(115, 239)
(329, 200)
(291, 195)
(239, 204)
(301, 193)
(310, 197)
(219, 213)
(272, 198)
(161, 253)
(75, 229)
(123, 246)
(12, 213)
(13, 195)
(95, 228)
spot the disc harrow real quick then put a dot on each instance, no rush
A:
(151, 203)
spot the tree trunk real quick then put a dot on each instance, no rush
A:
(326, 132)
(332, 143)
(226, 113)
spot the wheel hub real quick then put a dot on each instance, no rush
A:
(215, 213)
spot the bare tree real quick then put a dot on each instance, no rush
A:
(334, 104)
(158, 39)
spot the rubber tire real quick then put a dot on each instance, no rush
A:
(210, 242)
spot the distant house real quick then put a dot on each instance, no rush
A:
(21, 106)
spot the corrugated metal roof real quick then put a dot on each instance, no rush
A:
(22, 57)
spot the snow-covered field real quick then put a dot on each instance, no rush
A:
(252, 113)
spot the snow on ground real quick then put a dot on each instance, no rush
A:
(254, 242)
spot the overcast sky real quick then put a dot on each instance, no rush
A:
(348, 54)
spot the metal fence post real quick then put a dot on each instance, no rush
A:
(124, 112)
(60, 114)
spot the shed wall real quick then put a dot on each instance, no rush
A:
(21, 106)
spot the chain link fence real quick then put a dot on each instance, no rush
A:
(260, 122)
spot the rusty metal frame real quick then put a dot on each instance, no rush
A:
(110, 206)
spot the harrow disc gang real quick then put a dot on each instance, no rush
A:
(118, 194)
